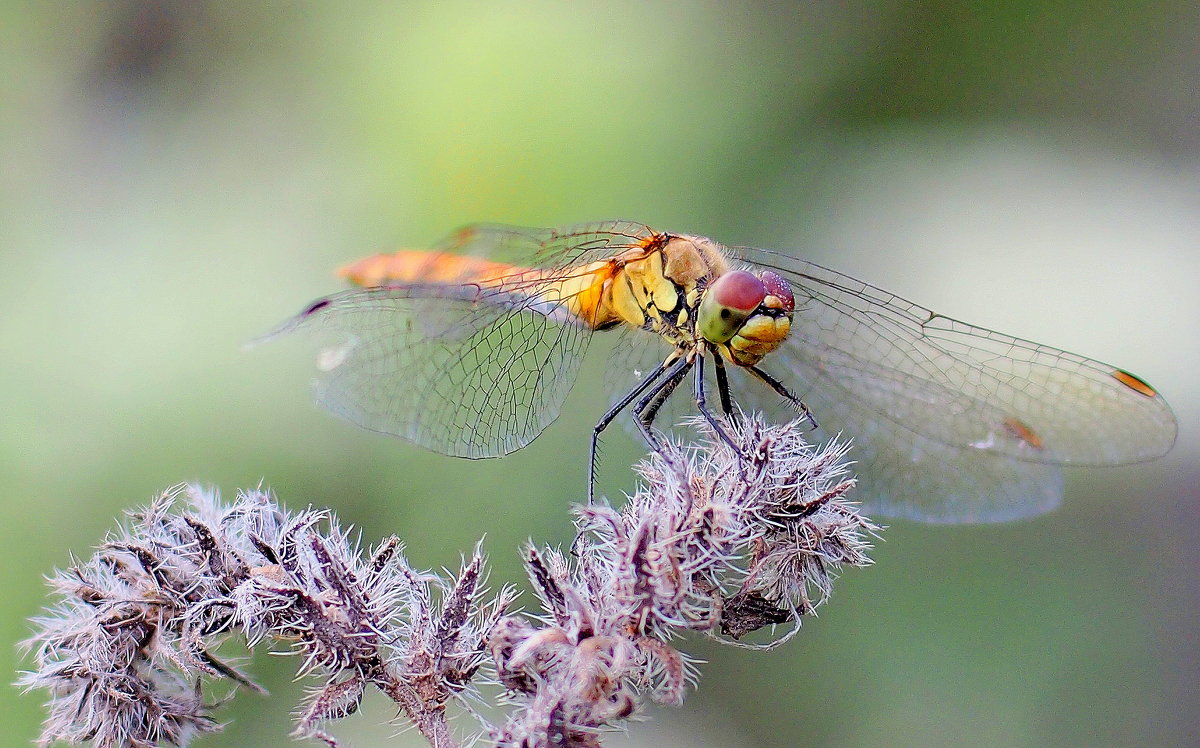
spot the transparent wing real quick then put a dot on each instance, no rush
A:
(965, 386)
(460, 377)
(899, 472)
(904, 474)
(953, 422)
(464, 368)
(554, 249)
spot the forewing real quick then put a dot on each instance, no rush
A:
(465, 371)
(961, 386)
(554, 250)
(471, 369)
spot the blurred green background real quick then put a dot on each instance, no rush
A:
(176, 177)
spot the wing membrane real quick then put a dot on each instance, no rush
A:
(960, 385)
(904, 474)
(445, 370)
(556, 250)
(466, 368)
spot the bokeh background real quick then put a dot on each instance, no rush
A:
(176, 177)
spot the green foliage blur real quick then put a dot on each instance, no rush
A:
(177, 177)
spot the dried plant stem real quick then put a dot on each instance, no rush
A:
(717, 540)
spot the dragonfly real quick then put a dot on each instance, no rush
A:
(470, 349)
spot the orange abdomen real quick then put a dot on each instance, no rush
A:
(583, 293)
(414, 266)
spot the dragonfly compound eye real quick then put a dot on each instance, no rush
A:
(778, 290)
(727, 304)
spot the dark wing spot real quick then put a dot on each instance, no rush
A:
(315, 307)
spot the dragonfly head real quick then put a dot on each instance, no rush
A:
(751, 314)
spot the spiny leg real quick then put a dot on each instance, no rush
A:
(611, 414)
(796, 403)
(647, 408)
(666, 377)
(723, 389)
(702, 406)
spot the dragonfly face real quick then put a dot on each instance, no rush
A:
(745, 316)
(470, 350)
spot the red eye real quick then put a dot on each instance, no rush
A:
(739, 290)
(778, 287)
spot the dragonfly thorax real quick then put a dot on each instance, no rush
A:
(683, 288)
(656, 286)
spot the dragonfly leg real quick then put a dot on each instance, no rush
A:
(665, 376)
(723, 389)
(647, 408)
(796, 403)
(608, 417)
(702, 406)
